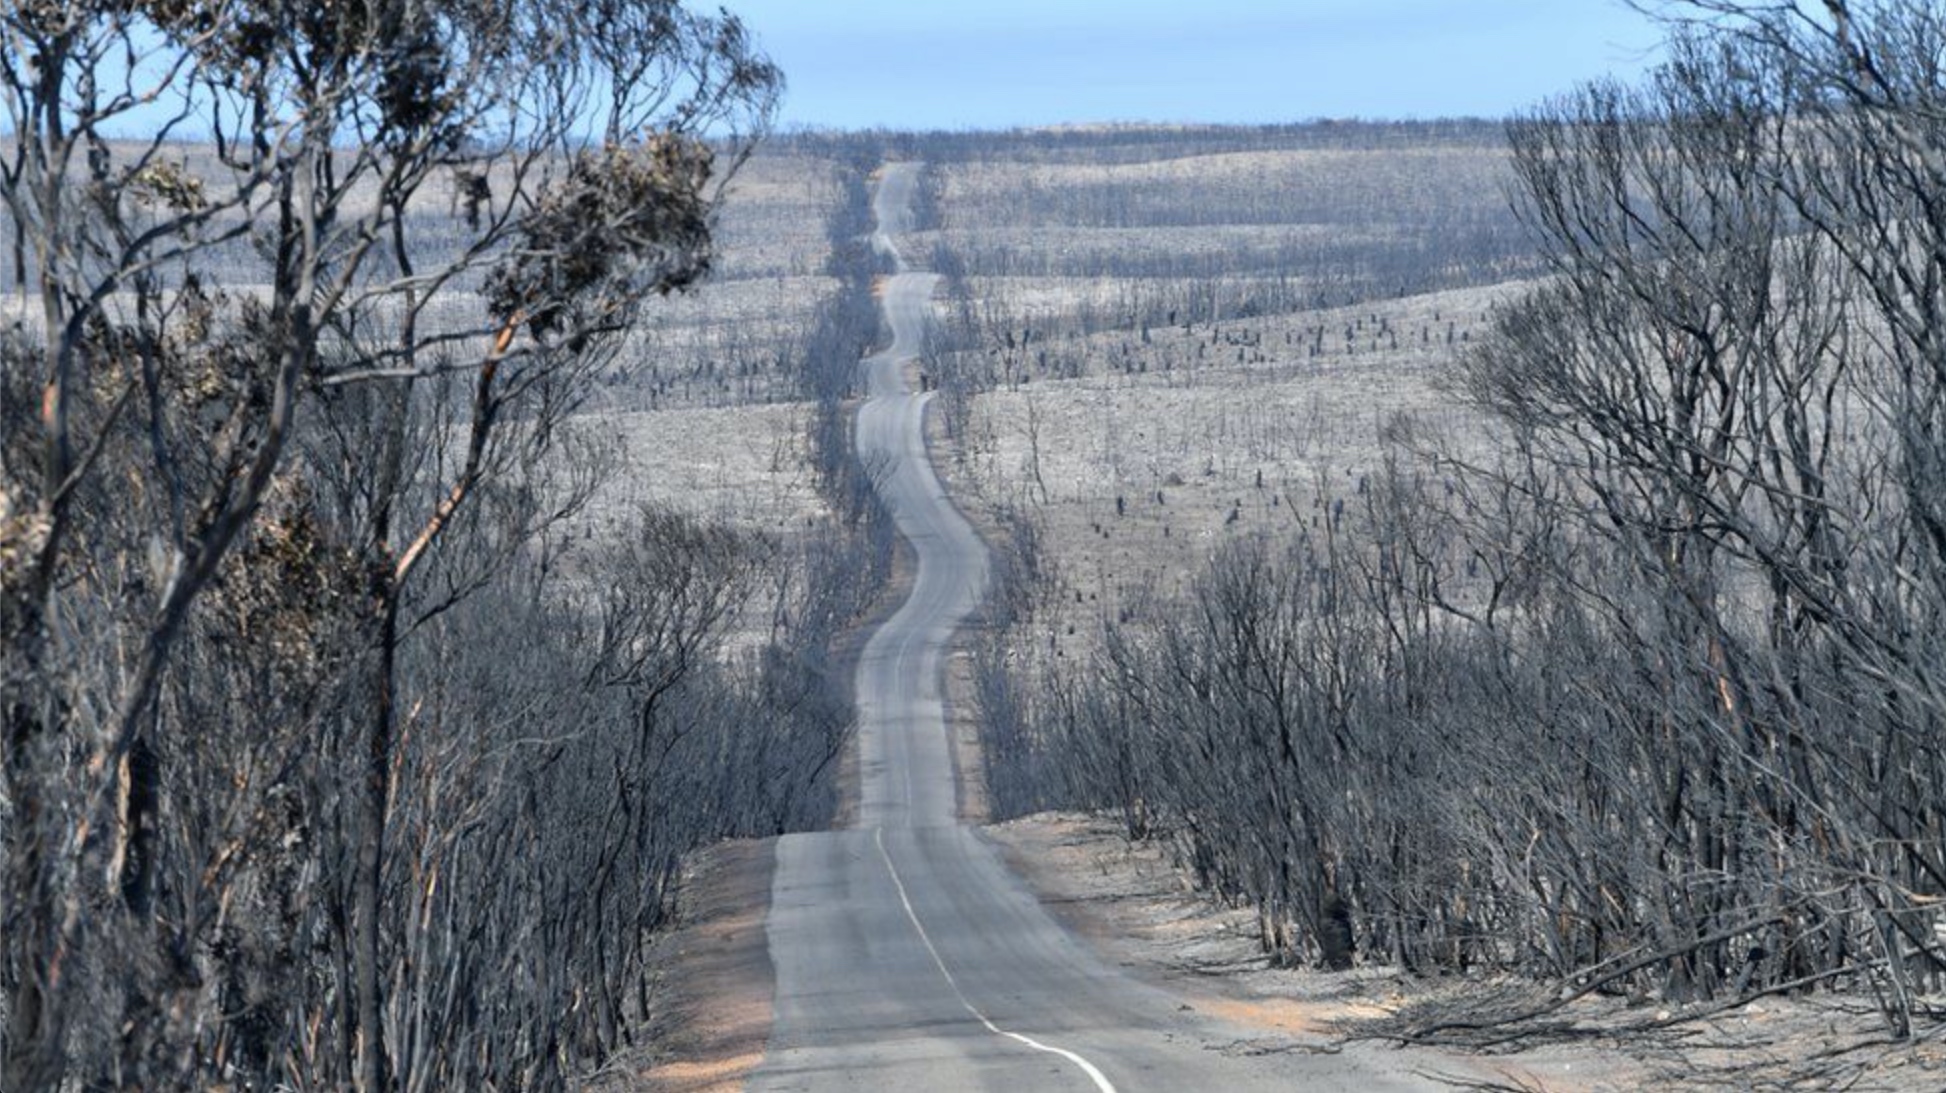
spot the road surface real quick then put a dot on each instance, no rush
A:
(907, 956)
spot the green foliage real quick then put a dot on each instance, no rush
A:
(622, 222)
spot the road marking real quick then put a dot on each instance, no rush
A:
(917, 456)
(1102, 1084)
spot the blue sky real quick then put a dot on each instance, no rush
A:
(956, 64)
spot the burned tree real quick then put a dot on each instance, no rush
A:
(247, 406)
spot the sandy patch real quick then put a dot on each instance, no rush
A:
(1138, 909)
(963, 733)
(711, 1028)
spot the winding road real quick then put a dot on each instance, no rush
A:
(906, 955)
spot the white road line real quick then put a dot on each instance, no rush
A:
(1102, 1084)
(916, 456)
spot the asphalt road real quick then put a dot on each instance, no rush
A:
(906, 955)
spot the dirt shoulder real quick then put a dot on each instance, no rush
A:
(713, 980)
(1138, 910)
